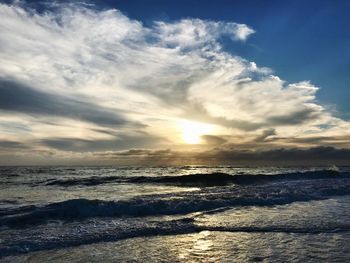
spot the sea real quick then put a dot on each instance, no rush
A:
(175, 214)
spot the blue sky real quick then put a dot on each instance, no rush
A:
(297, 39)
(126, 82)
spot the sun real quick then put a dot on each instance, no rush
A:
(192, 131)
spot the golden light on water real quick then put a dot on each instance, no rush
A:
(192, 131)
(199, 247)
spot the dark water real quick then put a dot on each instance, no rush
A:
(174, 214)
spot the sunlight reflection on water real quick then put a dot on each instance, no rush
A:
(207, 246)
(202, 248)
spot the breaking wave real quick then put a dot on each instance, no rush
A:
(172, 204)
(209, 179)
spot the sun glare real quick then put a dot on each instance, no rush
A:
(192, 131)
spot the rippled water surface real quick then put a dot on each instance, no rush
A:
(174, 214)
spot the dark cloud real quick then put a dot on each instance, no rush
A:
(138, 153)
(294, 118)
(315, 155)
(12, 126)
(12, 145)
(282, 156)
(145, 157)
(265, 135)
(343, 140)
(20, 98)
(213, 140)
(122, 142)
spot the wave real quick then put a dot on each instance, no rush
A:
(200, 180)
(90, 181)
(175, 203)
(75, 235)
(107, 231)
(216, 179)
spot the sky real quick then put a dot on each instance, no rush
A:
(174, 82)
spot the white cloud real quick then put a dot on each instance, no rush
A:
(242, 32)
(195, 32)
(153, 75)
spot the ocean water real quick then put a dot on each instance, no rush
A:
(174, 214)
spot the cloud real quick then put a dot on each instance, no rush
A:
(75, 78)
(265, 135)
(121, 142)
(195, 32)
(11, 145)
(315, 155)
(19, 98)
(258, 103)
(339, 141)
(289, 156)
(213, 140)
(242, 32)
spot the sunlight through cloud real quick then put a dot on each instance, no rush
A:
(192, 131)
